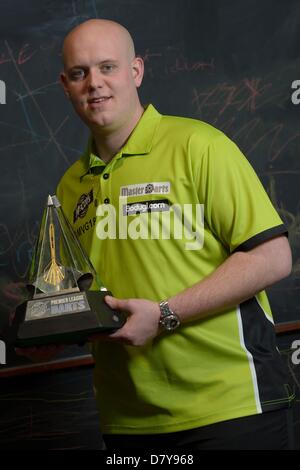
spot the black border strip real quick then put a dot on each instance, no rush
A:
(262, 237)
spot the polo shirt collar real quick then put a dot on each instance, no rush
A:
(139, 142)
(141, 139)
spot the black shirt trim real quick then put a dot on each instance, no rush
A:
(262, 237)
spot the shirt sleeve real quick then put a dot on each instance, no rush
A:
(236, 205)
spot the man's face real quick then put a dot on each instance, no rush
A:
(101, 78)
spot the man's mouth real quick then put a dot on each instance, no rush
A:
(98, 99)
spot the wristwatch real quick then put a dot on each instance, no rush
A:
(168, 319)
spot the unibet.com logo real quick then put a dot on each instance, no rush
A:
(2, 92)
(2, 352)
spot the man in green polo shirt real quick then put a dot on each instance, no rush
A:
(180, 229)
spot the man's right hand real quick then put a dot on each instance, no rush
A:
(41, 353)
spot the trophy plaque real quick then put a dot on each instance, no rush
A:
(65, 296)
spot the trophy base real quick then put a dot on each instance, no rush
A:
(65, 319)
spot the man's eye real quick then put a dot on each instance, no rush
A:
(77, 74)
(107, 68)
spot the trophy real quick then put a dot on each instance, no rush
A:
(60, 308)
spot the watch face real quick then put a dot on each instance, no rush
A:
(171, 322)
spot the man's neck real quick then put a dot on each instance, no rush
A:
(108, 144)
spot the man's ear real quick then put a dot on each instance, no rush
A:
(63, 81)
(138, 70)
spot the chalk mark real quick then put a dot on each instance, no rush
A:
(35, 103)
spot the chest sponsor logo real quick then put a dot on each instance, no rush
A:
(145, 188)
(83, 205)
(159, 205)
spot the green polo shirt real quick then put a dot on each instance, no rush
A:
(164, 213)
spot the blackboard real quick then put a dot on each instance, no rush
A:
(50, 411)
(227, 62)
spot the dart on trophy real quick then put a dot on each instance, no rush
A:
(54, 273)
(66, 298)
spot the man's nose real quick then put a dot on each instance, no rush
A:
(95, 79)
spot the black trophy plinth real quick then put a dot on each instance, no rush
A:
(66, 319)
(61, 308)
